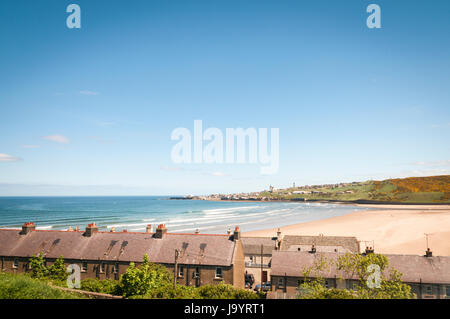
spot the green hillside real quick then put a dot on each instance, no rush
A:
(432, 189)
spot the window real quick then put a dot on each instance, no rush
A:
(116, 268)
(84, 267)
(219, 272)
(102, 267)
(180, 271)
(447, 291)
(280, 283)
(327, 284)
(197, 272)
(429, 290)
(16, 263)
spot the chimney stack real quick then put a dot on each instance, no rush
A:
(279, 234)
(236, 234)
(28, 228)
(161, 230)
(91, 229)
(148, 229)
(428, 253)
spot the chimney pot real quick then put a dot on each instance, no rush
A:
(91, 229)
(27, 227)
(236, 234)
(161, 230)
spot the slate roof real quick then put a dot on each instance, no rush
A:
(349, 243)
(252, 245)
(200, 249)
(415, 268)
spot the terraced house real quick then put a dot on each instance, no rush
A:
(428, 276)
(200, 258)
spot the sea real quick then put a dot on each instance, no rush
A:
(134, 213)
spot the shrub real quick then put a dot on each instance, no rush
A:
(57, 271)
(225, 291)
(37, 264)
(143, 280)
(105, 286)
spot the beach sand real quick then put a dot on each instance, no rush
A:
(394, 229)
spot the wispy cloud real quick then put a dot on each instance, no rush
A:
(8, 158)
(431, 172)
(86, 92)
(106, 123)
(101, 140)
(220, 174)
(443, 163)
(30, 146)
(171, 168)
(57, 139)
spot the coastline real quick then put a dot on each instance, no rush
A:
(391, 229)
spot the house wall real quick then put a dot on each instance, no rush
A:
(239, 265)
(207, 273)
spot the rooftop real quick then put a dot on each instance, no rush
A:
(415, 268)
(201, 249)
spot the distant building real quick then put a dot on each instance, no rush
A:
(203, 258)
(258, 255)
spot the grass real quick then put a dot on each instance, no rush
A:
(21, 286)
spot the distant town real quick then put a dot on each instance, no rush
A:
(415, 190)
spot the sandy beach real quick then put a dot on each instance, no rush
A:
(397, 229)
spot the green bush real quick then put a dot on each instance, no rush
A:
(105, 286)
(225, 291)
(57, 271)
(22, 286)
(143, 280)
(37, 264)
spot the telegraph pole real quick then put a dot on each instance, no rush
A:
(261, 267)
(175, 271)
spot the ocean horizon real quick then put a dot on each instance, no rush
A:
(134, 213)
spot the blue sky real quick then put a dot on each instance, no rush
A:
(90, 111)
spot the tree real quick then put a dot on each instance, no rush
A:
(58, 270)
(37, 265)
(143, 279)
